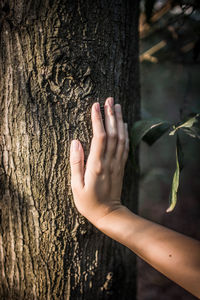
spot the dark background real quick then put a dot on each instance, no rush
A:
(170, 88)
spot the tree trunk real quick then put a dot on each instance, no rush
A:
(56, 59)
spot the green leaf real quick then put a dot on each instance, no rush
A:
(176, 177)
(148, 130)
(193, 132)
(155, 133)
(185, 124)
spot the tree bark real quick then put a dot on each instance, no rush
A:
(56, 59)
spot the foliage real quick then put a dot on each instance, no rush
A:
(151, 130)
(177, 23)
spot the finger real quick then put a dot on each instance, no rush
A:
(99, 135)
(121, 139)
(111, 128)
(77, 165)
(126, 150)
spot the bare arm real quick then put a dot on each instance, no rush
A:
(173, 254)
(97, 193)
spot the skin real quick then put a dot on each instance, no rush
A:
(97, 195)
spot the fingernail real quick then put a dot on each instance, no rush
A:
(118, 108)
(111, 101)
(97, 107)
(75, 145)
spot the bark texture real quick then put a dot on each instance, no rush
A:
(56, 59)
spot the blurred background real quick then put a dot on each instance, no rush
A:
(170, 90)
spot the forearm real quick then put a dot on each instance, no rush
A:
(171, 253)
(98, 186)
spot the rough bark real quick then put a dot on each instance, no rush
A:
(56, 59)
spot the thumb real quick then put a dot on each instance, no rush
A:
(77, 164)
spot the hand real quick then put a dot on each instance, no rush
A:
(97, 189)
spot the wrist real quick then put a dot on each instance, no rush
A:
(100, 215)
(118, 225)
(104, 222)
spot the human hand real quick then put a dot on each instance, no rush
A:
(97, 189)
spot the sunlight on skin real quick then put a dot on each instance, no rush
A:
(97, 196)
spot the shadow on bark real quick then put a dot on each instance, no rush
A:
(91, 266)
